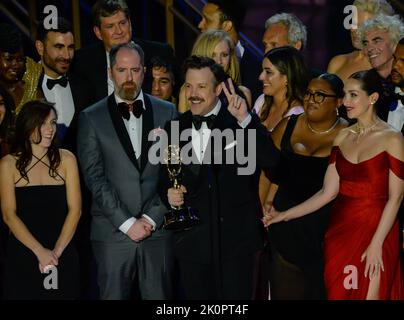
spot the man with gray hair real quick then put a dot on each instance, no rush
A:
(379, 37)
(284, 29)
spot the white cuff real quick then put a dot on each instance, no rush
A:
(150, 220)
(127, 224)
(245, 122)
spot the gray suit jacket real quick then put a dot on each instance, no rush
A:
(121, 186)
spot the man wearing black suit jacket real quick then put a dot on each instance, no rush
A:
(56, 49)
(112, 25)
(228, 16)
(216, 257)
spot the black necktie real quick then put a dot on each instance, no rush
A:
(197, 120)
(50, 83)
(125, 108)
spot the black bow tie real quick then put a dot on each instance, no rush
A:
(125, 108)
(50, 83)
(197, 121)
(399, 97)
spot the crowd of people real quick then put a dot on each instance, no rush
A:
(318, 215)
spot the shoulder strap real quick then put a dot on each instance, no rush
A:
(285, 143)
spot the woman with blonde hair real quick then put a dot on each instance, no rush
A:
(218, 45)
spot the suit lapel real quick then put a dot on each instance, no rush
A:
(121, 130)
(147, 127)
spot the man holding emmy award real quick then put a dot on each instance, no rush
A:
(216, 255)
(113, 146)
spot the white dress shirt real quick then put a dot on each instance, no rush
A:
(134, 129)
(63, 100)
(396, 117)
(200, 138)
(109, 80)
(239, 50)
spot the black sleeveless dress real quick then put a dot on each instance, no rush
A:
(298, 244)
(43, 209)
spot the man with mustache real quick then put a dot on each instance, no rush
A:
(56, 49)
(113, 145)
(216, 257)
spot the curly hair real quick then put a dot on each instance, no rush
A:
(29, 120)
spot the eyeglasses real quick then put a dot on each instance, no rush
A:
(318, 97)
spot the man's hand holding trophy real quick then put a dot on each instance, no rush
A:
(180, 217)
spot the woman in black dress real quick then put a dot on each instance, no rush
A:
(41, 204)
(305, 142)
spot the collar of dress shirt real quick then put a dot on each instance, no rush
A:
(139, 97)
(46, 77)
(107, 54)
(239, 50)
(215, 110)
(399, 91)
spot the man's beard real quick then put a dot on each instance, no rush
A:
(128, 91)
(52, 64)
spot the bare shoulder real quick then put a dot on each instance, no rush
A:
(337, 62)
(394, 142)
(342, 134)
(67, 157)
(8, 162)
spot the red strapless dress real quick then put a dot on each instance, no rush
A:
(356, 214)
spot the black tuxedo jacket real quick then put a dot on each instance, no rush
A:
(250, 70)
(81, 100)
(90, 66)
(227, 203)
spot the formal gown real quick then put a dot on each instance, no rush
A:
(43, 210)
(296, 269)
(363, 194)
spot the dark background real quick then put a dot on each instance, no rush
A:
(323, 19)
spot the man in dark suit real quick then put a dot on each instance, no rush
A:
(229, 16)
(113, 147)
(216, 257)
(112, 25)
(56, 49)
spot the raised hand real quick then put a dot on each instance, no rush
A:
(237, 105)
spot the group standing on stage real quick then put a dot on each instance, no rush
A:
(307, 205)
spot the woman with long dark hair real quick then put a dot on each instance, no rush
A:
(284, 78)
(41, 204)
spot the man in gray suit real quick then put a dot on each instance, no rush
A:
(127, 212)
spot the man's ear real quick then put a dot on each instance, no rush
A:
(298, 45)
(39, 47)
(97, 32)
(227, 25)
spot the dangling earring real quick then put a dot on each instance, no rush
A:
(336, 110)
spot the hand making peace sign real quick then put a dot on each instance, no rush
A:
(237, 105)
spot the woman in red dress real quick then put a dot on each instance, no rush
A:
(366, 177)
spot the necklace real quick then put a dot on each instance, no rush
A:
(325, 131)
(361, 130)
